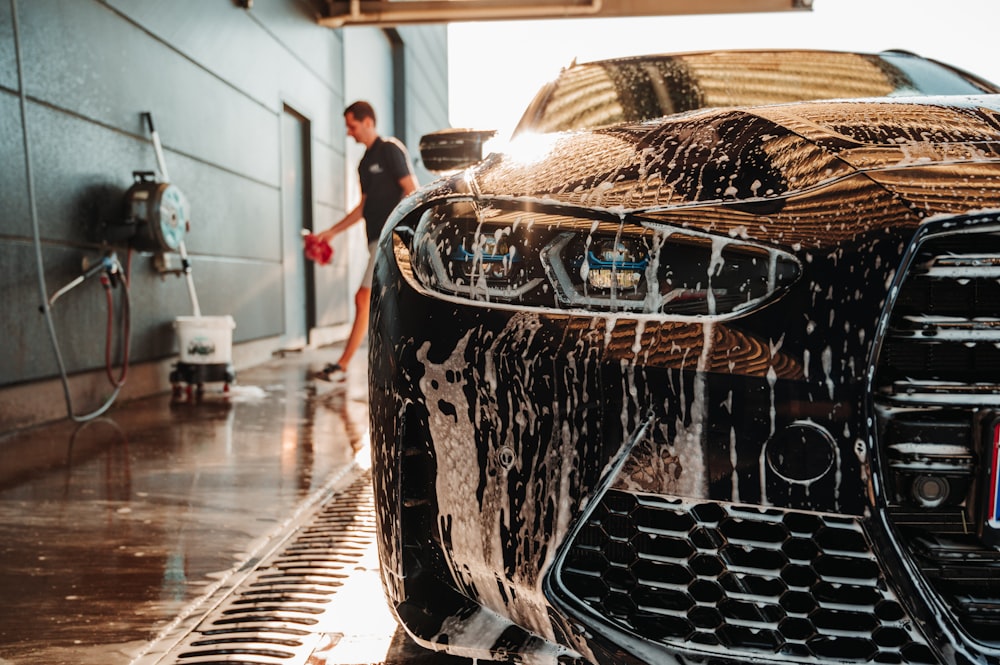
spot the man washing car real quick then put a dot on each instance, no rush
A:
(386, 176)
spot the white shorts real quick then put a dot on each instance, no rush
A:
(366, 281)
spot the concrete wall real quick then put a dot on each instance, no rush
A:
(215, 77)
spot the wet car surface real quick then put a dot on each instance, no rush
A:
(713, 385)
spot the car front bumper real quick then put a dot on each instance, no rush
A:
(555, 486)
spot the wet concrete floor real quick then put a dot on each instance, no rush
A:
(116, 531)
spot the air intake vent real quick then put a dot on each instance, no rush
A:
(937, 389)
(750, 582)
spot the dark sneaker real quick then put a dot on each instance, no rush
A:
(333, 373)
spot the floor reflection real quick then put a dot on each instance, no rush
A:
(114, 444)
(109, 529)
(337, 402)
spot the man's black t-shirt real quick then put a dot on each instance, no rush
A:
(380, 171)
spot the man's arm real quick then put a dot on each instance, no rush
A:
(409, 184)
(353, 217)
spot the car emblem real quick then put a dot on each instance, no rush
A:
(506, 457)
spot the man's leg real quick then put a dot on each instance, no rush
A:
(337, 372)
(359, 329)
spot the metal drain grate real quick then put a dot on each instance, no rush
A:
(275, 616)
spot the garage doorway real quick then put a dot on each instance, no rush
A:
(296, 215)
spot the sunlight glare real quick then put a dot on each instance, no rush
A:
(516, 58)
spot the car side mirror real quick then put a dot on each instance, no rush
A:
(453, 149)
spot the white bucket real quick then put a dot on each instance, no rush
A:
(205, 340)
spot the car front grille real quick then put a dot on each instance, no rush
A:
(937, 397)
(746, 581)
(943, 343)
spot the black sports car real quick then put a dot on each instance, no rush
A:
(701, 370)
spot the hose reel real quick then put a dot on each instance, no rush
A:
(157, 215)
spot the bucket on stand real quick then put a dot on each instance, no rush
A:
(206, 352)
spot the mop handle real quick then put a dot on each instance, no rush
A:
(160, 162)
(186, 265)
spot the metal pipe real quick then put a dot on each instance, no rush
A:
(396, 12)
(466, 10)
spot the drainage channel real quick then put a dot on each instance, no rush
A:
(275, 615)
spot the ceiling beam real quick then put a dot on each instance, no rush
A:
(340, 13)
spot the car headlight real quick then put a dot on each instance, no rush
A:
(509, 254)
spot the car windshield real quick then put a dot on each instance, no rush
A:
(643, 88)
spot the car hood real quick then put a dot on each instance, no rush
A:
(756, 155)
